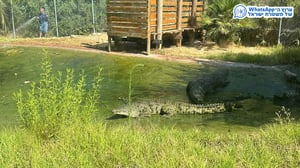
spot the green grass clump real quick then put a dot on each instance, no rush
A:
(95, 145)
(287, 56)
(3, 39)
(278, 56)
(57, 101)
(243, 57)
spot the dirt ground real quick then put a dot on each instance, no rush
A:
(98, 43)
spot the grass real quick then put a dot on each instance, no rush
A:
(95, 145)
(276, 57)
(257, 55)
(69, 41)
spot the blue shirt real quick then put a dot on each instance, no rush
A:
(43, 18)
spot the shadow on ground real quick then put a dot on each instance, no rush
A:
(124, 47)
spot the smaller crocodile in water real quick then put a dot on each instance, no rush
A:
(145, 109)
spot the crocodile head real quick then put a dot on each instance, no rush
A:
(126, 111)
(137, 110)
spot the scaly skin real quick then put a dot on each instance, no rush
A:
(147, 109)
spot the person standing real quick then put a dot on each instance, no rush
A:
(43, 20)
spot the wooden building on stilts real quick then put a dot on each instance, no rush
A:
(151, 19)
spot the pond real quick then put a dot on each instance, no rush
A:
(157, 80)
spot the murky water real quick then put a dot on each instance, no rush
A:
(254, 88)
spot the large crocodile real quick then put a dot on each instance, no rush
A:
(151, 108)
(206, 84)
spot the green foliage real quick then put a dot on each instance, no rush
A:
(57, 101)
(75, 16)
(219, 23)
(223, 29)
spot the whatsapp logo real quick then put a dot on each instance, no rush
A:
(239, 11)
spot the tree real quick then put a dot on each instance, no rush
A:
(223, 29)
(268, 28)
(219, 23)
(3, 17)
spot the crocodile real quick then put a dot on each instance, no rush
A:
(146, 109)
(206, 84)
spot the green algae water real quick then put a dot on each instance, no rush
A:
(157, 80)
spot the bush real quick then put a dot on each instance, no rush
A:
(221, 28)
(57, 101)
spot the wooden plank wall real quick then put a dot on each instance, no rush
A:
(127, 18)
(170, 8)
(130, 17)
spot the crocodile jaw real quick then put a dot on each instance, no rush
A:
(125, 112)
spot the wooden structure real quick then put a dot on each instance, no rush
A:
(151, 19)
